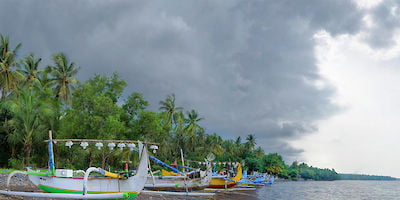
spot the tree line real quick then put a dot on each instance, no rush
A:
(37, 98)
(366, 177)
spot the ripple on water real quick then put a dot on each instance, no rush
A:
(330, 190)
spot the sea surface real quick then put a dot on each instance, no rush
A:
(324, 190)
(311, 190)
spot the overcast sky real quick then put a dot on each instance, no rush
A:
(314, 80)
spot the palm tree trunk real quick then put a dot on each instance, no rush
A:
(12, 151)
(90, 159)
(28, 150)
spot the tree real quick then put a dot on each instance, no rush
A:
(134, 104)
(238, 141)
(214, 144)
(259, 152)
(8, 77)
(94, 114)
(274, 163)
(253, 164)
(27, 110)
(63, 73)
(30, 70)
(251, 141)
(192, 127)
(168, 106)
(192, 122)
(148, 126)
(293, 173)
(307, 174)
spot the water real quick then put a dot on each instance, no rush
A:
(309, 190)
(324, 190)
(301, 190)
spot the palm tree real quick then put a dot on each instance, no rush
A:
(251, 141)
(30, 70)
(192, 126)
(192, 119)
(62, 74)
(238, 141)
(179, 131)
(168, 106)
(27, 110)
(259, 152)
(214, 144)
(8, 77)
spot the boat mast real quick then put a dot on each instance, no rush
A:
(52, 170)
(183, 161)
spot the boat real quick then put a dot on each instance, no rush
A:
(226, 181)
(257, 179)
(123, 185)
(178, 181)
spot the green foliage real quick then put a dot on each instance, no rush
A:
(9, 78)
(274, 163)
(15, 163)
(168, 106)
(94, 112)
(254, 164)
(306, 172)
(365, 177)
(27, 111)
(134, 104)
(148, 126)
(62, 73)
(293, 173)
(30, 71)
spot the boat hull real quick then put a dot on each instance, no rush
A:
(219, 183)
(54, 184)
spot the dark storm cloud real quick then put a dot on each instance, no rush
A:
(246, 66)
(386, 19)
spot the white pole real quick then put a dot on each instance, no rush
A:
(183, 162)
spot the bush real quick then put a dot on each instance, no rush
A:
(15, 163)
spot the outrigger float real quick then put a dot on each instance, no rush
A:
(61, 183)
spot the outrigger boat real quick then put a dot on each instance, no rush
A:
(178, 181)
(184, 182)
(225, 181)
(257, 179)
(111, 185)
